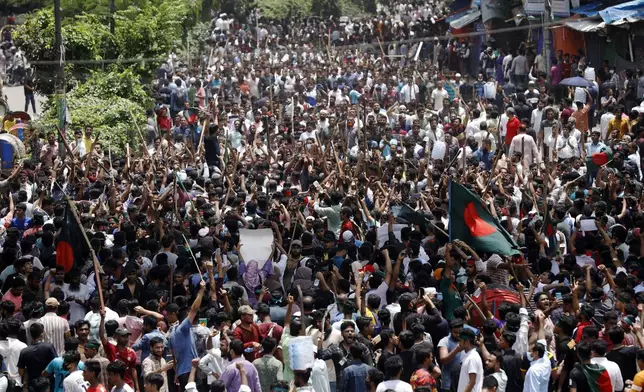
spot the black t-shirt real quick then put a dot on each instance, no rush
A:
(512, 368)
(577, 379)
(35, 358)
(625, 358)
(467, 91)
(523, 111)
(409, 365)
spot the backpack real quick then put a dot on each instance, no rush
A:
(11, 383)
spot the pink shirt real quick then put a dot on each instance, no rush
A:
(16, 300)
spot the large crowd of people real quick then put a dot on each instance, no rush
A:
(345, 156)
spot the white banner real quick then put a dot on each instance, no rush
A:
(301, 352)
(383, 233)
(256, 245)
(561, 8)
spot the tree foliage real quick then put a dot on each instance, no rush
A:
(104, 101)
(149, 29)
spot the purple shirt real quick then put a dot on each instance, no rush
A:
(232, 379)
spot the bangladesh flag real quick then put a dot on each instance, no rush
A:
(470, 222)
(71, 247)
(594, 161)
(550, 230)
(597, 376)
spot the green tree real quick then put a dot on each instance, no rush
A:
(104, 101)
(85, 38)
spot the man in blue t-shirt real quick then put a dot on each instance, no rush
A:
(20, 221)
(55, 367)
(181, 341)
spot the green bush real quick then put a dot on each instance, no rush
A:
(104, 101)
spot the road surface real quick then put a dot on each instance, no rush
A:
(16, 99)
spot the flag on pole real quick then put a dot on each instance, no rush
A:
(470, 222)
(311, 101)
(71, 246)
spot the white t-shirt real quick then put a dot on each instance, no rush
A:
(77, 311)
(471, 364)
(396, 385)
(75, 382)
(127, 388)
(438, 96)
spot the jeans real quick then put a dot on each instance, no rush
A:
(333, 386)
(30, 98)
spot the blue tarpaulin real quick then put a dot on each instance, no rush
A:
(590, 9)
(631, 11)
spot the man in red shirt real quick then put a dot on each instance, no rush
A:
(248, 332)
(120, 351)
(512, 128)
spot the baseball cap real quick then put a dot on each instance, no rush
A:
(245, 309)
(510, 110)
(297, 242)
(122, 332)
(51, 301)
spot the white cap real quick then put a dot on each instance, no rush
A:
(458, 75)
(347, 236)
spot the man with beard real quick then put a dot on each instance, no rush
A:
(288, 264)
(121, 352)
(155, 363)
(76, 294)
(82, 333)
(340, 353)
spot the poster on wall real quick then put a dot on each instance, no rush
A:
(534, 7)
(561, 8)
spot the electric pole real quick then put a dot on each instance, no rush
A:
(547, 41)
(112, 11)
(60, 72)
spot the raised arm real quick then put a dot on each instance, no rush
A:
(197, 304)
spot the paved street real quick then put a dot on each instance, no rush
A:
(16, 99)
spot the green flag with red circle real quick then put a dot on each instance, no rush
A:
(472, 223)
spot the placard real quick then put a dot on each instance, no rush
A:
(302, 352)
(383, 233)
(438, 151)
(256, 245)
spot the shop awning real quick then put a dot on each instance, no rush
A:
(456, 15)
(590, 9)
(466, 19)
(586, 26)
(629, 12)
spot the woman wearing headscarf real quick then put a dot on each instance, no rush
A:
(252, 278)
(303, 277)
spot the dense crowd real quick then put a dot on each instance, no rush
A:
(349, 159)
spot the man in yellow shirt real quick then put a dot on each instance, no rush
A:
(88, 140)
(619, 124)
(638, 382)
